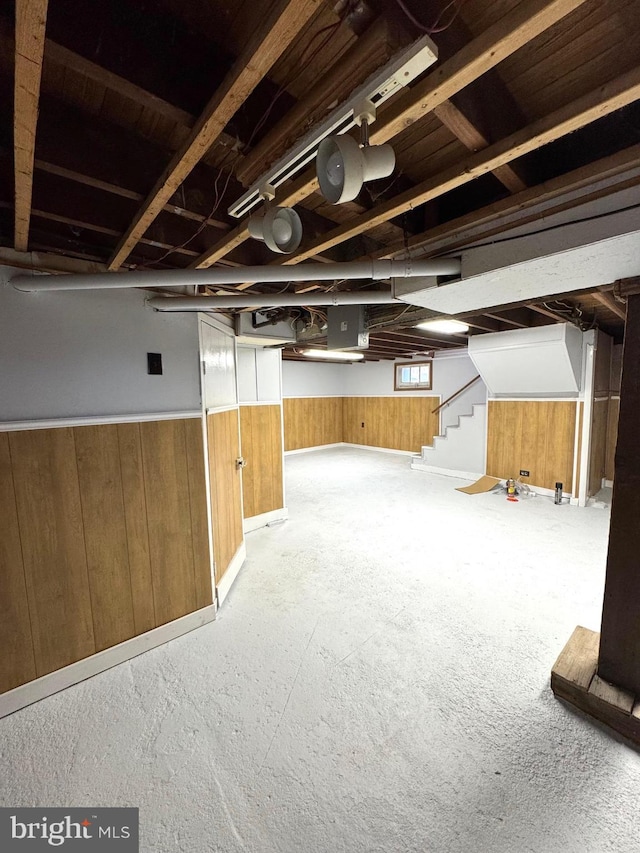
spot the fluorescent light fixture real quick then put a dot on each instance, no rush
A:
(333, 355)
(401, 70)
(343, 166)
(280, 228)
(445, 327)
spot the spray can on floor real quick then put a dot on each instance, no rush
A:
(558, 495)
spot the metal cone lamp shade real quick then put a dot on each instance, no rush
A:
(343, 166)
(280, 228)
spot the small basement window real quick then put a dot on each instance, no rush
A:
(413, 376)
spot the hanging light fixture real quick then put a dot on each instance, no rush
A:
(279, 227)
(343, 166)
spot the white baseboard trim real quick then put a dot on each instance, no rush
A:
(54, 682)
(379, 449)
(446, 472)
(607, 484)
(265, 518)
(315, 447)
(231, 574)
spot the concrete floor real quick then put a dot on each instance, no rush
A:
(378, 680)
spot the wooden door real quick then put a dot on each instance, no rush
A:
(220, 398)
(226, 500)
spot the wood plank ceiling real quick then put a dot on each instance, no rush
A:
(128, 127)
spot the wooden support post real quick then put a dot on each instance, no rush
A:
(606, 683)
(619, 659)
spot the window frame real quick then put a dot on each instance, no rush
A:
(398, 385)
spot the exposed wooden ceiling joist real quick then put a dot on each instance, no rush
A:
(31, 21)
(492, 219)
(515, 29)
(609, 302)
(278, 30)
(604, 100)
(473, 139)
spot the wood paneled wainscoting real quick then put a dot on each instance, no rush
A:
(538, 436)
(103, 537)
(262, 485)
(394, 423)
(312, 421)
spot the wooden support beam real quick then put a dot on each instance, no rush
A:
(619, 660)
(602, 101)
(522, 208)
(609, 302)
(31, 21)
(574, 679)
(519, 26)
(278, 30)
(473, 139)
(540, 309)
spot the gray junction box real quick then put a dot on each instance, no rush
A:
(346, 327)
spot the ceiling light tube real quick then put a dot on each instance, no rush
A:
(333, 355)
(444, 326)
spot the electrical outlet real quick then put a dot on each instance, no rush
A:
(524, 473)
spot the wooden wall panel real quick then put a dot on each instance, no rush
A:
(261, 439)
(164, 455)
(198, 507)
(135, 510)
(17, 659)
(598, 450)
(397, 423)
(612, 436)
(226, 504)
(50, 519)
(105, 534)
(312, 421)
(533, 435)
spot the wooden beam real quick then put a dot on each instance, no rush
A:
(609, 302)
(619, 659)
(275, 34)
(473, 139)
(31, 21)
(511, 32)
(594, 105)
(521, 209)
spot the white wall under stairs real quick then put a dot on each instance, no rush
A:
(462, 448)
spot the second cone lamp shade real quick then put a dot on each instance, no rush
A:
(343, 166)
(280, 228)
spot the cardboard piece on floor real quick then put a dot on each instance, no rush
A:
(484, 484)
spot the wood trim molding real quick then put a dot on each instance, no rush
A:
(54, 682)
(53, 423)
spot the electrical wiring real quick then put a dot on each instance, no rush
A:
(260, 123)
(434, 28)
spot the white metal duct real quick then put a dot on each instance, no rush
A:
(541, 361)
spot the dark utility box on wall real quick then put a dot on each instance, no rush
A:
(346, 327)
